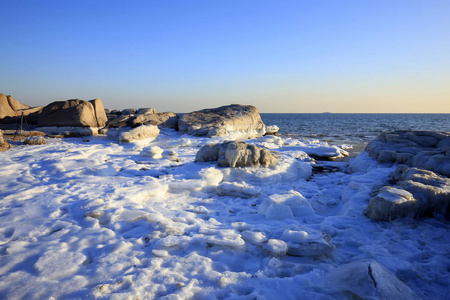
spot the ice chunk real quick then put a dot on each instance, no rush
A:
(307, 242)
(276, 247)
(153, 152)
(278, 211)
(254, 237)
(238, 189)
(289, 205)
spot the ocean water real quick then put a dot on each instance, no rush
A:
(352, 128)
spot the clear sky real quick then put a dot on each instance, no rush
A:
(183, 55)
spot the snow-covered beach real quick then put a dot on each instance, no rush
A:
(94, 218)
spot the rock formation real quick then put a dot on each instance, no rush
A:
(420, 185)
(415, 192)
(428, 150)
(73, 113)
(145, 116)
(236, 154)
(235, 120)
(11, 110)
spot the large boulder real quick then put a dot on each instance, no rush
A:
(11, 110)
(235, 120)
(236, 154)
(73, 113)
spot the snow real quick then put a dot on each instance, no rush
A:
(109, 220)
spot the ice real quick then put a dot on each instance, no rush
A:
(110, 220)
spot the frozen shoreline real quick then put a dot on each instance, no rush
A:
(99, 219)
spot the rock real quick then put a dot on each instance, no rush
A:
(11, 110)
(422, 149)
(100, 113)
(235, 120)
(167, 119)
(128, 135)
(145, 111)
(416, 193)
(4, 145)
(128, 111)
(367, 279)
(391, 203)
(236, 154)
(272, 130)
(35, 140)
(73, 113)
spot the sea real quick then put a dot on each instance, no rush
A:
(351, 129)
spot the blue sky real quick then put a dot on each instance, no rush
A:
(185, 55)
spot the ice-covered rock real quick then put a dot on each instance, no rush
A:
(235, 120)
(391, 203)
(276, 247)
(416, 193)
(367, 279)
(236, 154)
(35, 140)
(73, 113)
(422, 149)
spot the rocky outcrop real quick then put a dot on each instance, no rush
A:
(429, 150)
(73, 113)
(11, 110)
(236, 154)
(415, 193)
(240, 121)
(4, 145)
(420, 185)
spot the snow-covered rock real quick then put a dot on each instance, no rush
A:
(367, 279)
(307, 242)
(238, 121)
(236, 154)
(272, 130)
(35, 140)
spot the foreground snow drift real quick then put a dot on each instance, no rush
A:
(100, 219)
